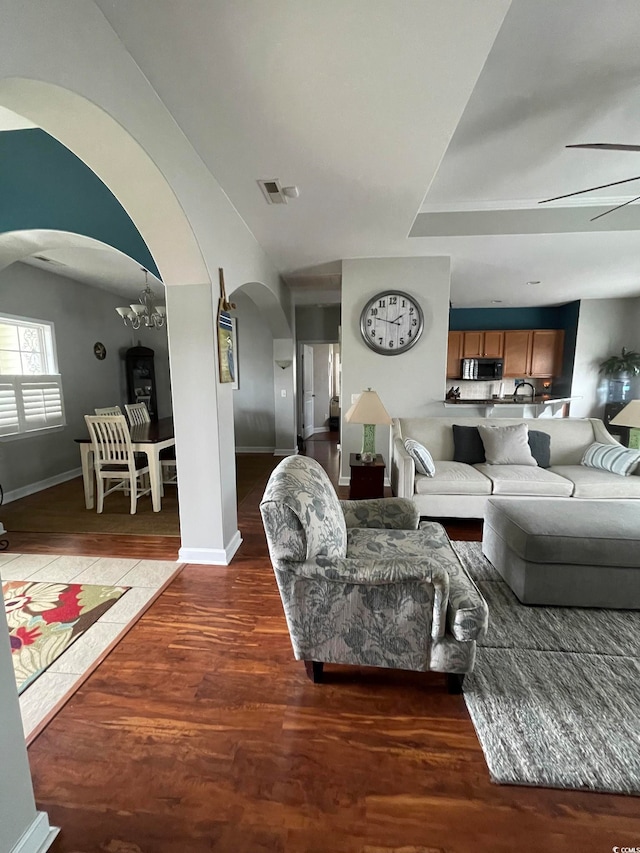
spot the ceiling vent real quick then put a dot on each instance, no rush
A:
(272, 191)
(46, 260)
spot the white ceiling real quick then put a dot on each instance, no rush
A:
(400, 141)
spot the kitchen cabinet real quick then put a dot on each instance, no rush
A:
(533, 353)
(482, 344)
(454, 355)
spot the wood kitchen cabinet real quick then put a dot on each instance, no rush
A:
(454, 355)
(533, 353)
(483, 344)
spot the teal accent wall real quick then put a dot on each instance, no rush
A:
(44, 185)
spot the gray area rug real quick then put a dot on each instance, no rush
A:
(555, 694)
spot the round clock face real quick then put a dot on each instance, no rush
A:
(99, 350)
(391, 322)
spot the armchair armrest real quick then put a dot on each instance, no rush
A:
(391, 513)
(345, 570)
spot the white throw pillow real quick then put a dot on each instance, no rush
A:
(611, 457)
(421, 456)
(507, 445)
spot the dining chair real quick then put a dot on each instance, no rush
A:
(139, 414)
(114, 459)
(109, 410)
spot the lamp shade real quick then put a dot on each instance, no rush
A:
(629, 416)
(368, 409)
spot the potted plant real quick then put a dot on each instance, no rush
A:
(620, 369)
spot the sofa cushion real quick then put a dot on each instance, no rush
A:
(540, 444)
(525, 480)
(506, 445)
(467, 445)
(453, 478)
(593, 483)
(611, 457)
(421, 456)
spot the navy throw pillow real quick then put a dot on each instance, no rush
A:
(467, 445)
(540, 444)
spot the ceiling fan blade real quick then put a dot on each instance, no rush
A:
(590, 189)
(606, 146)
(617, 207)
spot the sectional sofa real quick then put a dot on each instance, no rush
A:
(460, 490)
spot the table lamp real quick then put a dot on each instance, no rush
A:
(628, 417)
(368, 410)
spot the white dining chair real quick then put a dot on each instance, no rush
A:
(139, 414)
(114, 460)
(109, 410)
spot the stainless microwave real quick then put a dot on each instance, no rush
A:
(482, 368)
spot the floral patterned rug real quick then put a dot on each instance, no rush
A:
(45, 618)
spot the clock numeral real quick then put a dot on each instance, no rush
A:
(373, 333)
(411, 310)
(414, 322)
(374, 312)
(393, 300)
(401, 342)
(404, 303)
(369, 322)
(380, 340)
(390, 344)
(382, 303)
(409, 334)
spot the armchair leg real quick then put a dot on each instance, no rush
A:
(454, 683)
(314, 670)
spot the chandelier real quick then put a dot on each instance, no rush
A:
(145, 312)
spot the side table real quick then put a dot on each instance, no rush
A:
(367, 478)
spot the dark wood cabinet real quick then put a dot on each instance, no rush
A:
(141, 378)
(454, 355)
(367, 478)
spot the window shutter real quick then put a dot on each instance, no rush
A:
(29, 403)
(9, 419)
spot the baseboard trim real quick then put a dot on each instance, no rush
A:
(255, 449)
(38, 837)
(320, 429)
(344, 481)
(32, 488)
(211, 556)
(285, 451)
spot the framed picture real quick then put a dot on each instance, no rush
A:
(228, 348)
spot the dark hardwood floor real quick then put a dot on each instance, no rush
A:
(200, 732)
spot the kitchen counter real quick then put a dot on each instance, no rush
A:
(536, 405)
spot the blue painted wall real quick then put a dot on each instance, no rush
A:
(44, 185)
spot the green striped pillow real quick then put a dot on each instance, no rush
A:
(611, 457)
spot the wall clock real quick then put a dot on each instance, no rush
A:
(391, 322)
(99, 350)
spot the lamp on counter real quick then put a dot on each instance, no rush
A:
(368, 410)
(629, 417)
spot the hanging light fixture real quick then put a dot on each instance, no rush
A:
(145, 312)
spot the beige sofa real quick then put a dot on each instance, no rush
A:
(461, 491)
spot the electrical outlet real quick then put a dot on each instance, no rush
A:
(283, 393)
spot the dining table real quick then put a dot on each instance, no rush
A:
(149, 438)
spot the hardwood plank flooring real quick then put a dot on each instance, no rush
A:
(200, 733)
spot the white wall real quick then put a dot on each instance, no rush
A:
(410, 384)
(253, 401)
(81, 315)
(604, 327)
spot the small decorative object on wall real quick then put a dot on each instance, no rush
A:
(391, 322)
(100, 351)
(227, 344)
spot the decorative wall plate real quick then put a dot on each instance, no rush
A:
(99, 350)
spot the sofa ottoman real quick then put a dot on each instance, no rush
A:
(571, 553)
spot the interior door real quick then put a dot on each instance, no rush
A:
(308, 397)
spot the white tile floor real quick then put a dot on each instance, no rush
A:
(145, 577)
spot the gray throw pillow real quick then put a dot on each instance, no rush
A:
(540, 444)
(507, 445)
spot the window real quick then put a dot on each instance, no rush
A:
(30, 385)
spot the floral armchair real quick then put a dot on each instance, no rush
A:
(361, 583)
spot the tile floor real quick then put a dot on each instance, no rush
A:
(146, 578)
